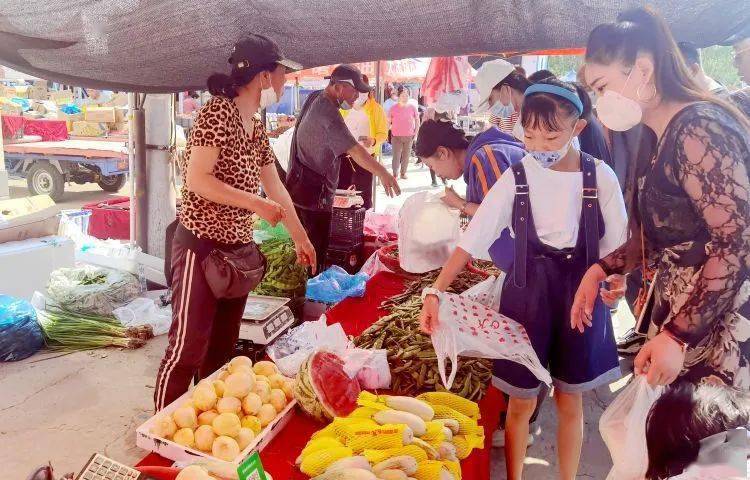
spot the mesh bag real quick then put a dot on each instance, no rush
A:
(381, 437)
(466, 425)
(377, 456)
(466, 443)
(457, 403)
(434, 434)
(319, 444)
(316, 463)
(430, 470)
(454, 468)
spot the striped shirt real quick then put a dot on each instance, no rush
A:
(505, 124)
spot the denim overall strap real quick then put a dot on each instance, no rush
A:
(521, 214)
(590, 209)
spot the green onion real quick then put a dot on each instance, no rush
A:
(64, 330)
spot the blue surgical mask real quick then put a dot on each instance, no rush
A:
(547, 158)
(502, 111)
(344, 105)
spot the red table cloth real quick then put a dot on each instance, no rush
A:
(49, 130)
(12, 126)
(110, 219)
(355, 315)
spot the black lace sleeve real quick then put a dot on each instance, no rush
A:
(709, 165)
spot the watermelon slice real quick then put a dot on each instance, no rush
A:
(323, 388)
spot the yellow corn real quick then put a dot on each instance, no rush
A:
(434, 434)
(370, 400)
(466, 425)
(363, 412)
(429, 470)
(316, 463)
(454, 468)
(377, 456)
(459, 404)
(380, 437)
(319, 444)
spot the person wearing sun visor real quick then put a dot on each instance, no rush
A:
(320, 140)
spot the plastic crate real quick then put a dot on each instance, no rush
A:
(347, 227)
(350, 258)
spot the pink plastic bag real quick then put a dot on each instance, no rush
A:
(469, 329)
(382, 226)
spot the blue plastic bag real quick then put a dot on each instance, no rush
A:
(334, 285)
(20, 334)
(70, 109)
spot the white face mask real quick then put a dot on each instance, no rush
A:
(618, 112)
(268, 96)
(361, 100)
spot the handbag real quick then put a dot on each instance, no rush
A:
(231, 271)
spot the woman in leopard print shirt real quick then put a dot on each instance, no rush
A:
(228, 158)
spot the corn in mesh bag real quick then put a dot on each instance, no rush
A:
(466, 425)
(316, 463)
(430, 470)
(381, 437)
(434, 434)
(377, 456)
(457, 403)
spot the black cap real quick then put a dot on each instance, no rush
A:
(351, 75)
(259, 50)
(438, 133)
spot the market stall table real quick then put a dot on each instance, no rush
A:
(355, 315)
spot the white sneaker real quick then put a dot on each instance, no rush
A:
(498, 439)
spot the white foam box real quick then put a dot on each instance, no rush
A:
(25, 265)
(179, 453)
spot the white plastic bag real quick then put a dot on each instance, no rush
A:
(427, 232)
(470, 329)
(144, 311)
(282, 146)
(375, 372)
(623, 428)
(291, 349)
(487, 292)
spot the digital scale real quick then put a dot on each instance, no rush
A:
(265, 318)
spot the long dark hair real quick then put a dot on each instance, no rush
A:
(642, 30)
(544, 110)
(683, 416)
(223, 85)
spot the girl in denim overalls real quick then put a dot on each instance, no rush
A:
(566, 211)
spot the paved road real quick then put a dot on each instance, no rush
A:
(75, 195)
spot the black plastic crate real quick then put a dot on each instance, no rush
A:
(347, 226)
(350, 258)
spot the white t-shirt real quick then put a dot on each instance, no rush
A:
(359, 124)
(555, 206)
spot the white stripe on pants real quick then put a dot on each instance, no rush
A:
(182, 316)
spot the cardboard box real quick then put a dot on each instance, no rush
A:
(63, 97)
(29, 217)
(10, 108)
(89, 129)
(100, 114)
(22, 91)
(118, 127)
(38, 93)
(121, 114)
(7, 92)
(40, 83)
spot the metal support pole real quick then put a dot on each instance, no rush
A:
(131, 163)
(140, 180)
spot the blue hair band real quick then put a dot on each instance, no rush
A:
(558, 91)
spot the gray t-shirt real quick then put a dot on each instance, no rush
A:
(322, 136)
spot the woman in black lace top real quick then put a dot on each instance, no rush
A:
(690, 207)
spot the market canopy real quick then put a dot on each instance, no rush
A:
(169, 45)
(407, 69)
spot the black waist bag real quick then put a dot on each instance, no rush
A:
(231, 270)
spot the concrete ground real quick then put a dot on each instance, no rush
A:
(63, 408)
